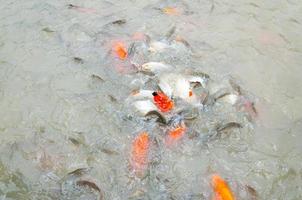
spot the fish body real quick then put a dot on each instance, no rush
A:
(81, 9)
(158, 46)
(142, 94)
(178, 85)
(139, 152)
(163, 102)
(175, 134)
(144, 106)
(155, 67)
(171, 11)
(120, 50)
(221, 189)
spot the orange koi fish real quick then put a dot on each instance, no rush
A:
(175, 134)
(171, 11)
(139, 152)
(221, 189)
(120, 50)
(163, 103)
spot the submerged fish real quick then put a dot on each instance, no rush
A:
(228, 126)
(78, 60)
(120, 50)
(155, 67)
(81, 9)
(221, 189)
(171, 11)
(158, 46)
(139, 152)
(163, 103)
(119, 22)
(175, 134)
(160, 118)
(48, 30)
(183, 41)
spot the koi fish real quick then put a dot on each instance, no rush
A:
(144, 106)
(155, 67)
(175, 134)
(163, 103)
(139, 152)
(120, 50)
(221, 189)
(142, 94)
(171, 11)
(178, 85)
(81, 9)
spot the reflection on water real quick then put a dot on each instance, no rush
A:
(68, 119)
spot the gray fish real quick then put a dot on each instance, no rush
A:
(160, 118)
(219, 129)
(78, 60)
(91, 185)
(112, 98)
(70, 6)
(228, 126)
(74, 141)
(97, 77)
(252, 193)
(170, 33)
(235, 86)
(119, 22)
(48, 30)
(131, 49)
(189, 114)
(109, 151)
(220, 94)
(79, 172)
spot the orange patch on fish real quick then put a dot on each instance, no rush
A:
(174, 135)
(139, 152)
(171, 11)
(139, 36)
(190, 93)
(120, 50)
(163, 103)
(177, 133)
(221, 189)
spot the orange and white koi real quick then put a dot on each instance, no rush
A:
(140, 152)
(163, 102)
(221, 189)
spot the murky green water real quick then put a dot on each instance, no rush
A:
(59, 114)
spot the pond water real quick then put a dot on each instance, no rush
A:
(66, 105)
